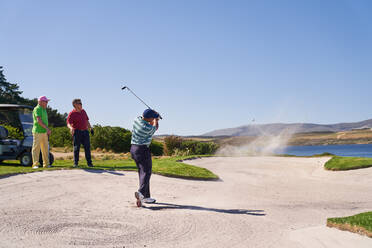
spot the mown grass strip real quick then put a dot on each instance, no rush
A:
(324, 154)
(174, 167)
(169, 167)
(347, 163)
(360, 223)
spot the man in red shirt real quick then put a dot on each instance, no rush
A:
(78, 123)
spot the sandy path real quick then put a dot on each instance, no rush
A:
(260, 202)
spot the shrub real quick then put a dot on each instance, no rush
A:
(60, 137)
(198, 148)
(179, 152)
(116, 139)
(189, 145)
(157, 148)
(172, 142)
(178, 147)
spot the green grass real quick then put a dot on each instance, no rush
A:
(171, 167)
(163, 166)
(360, 223)
(348, 163)
(324, 154)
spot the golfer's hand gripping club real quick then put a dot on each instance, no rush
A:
(159, 118)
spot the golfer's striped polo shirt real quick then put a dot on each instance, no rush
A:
(142, 132)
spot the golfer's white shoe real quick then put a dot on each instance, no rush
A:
(149, 200)
(35, 167)
(139, 198)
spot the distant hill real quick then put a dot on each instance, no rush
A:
(278, 128)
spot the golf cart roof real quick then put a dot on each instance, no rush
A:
(14, 106)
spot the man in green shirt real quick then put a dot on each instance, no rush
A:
(40, 132)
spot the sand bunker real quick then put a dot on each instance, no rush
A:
(259, 202)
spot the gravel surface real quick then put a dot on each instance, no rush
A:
(259, 202)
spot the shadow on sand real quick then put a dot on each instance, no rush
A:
(163, 206)
(98, 171)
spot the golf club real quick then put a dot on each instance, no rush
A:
(125, 87)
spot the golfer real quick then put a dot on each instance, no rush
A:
(144, 128)
(40, 132)
(78, 123)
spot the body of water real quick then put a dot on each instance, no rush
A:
(339, 150)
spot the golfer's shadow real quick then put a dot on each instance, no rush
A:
(99, 171)
(163, 206)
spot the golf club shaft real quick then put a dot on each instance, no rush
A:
(125, 87)
(138, 98)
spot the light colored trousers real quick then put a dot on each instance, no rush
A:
(40, 142)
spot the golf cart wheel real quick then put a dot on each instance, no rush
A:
(26, 159)
(51, 159)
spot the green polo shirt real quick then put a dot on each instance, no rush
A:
(42, 113)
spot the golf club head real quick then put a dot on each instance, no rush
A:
(124, 87)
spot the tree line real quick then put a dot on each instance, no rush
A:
(11, 94)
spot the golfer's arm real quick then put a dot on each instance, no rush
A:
(89, 126)
(41, 123)
(156, 122)
(69, 126)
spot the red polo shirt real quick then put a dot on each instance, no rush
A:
(78, 120)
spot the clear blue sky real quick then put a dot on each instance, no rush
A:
(204, 65)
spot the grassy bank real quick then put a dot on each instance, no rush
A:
(348, 163)
(163, 166)
(324, 154)
(360, 223)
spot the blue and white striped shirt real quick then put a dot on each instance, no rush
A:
(142, 132)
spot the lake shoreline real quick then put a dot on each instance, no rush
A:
(348, 150)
